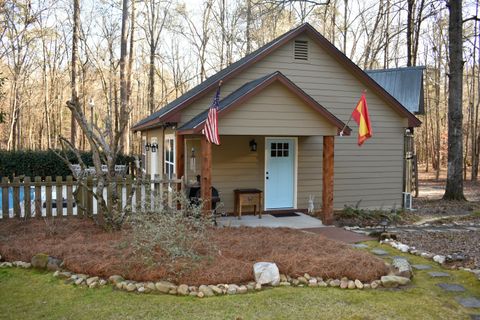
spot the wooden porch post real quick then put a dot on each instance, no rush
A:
(327, 176)
(180, 155)
(206, 180)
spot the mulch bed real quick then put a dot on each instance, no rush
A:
(86, 248)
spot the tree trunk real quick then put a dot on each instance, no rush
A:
(75, 36)
(454, 187)
(123, 74)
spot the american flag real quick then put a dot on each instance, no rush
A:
(211, 124)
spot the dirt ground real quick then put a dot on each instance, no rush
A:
(86, 248)
(429, 202)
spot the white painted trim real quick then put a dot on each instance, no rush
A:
(169, 136)
(295, 170)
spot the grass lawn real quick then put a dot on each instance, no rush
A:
(28, 294)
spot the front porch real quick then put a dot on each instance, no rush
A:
(301, 221)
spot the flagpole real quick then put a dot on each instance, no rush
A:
(350, 119)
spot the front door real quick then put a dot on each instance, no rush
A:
(280, 173)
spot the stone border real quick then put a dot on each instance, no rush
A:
(201, 291)
(440, 259)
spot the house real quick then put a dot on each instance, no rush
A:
(281, 111)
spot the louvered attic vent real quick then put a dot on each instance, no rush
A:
(300, 50)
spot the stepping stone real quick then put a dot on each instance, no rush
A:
(400, 257)
(379, 252)
(360, 245)
(421, 266)
(475, 316)
(451, 287)
(438, 274)
(469, 302)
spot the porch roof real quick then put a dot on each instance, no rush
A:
(252, 88)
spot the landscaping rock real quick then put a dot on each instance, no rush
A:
(173, 291)
(115, 279)
(374, 285)
(295, 282)
(455, 257)
(313, 282)
(193, 293)
(119, 285)
(39, 261)
(335, 283)
(302, 280)
(130, 287)
(322, 284)
(351, 284)
(307, 276)
(182, 290)
(360, 246)
(141, 290)
(200, 294)
(439, 259)
(266, 273)
(79, 281)
(206, 290)
(402, 267)
(216, 290)
(92, 280)
(243, 289)
(6, 265)
(258, 286)
(394, 281)
(164, 286)
(93, 285)
(232, 289)
(343, 284)
(367, 286)
(358, 284)
(54, 264)
(283, 278)
(102, 282)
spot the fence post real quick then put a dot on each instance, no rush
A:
(59, 195)
(89, 196)
(128, 191)
(138, 193)
(69, 184)
(5, 203)
(119, 181)
(48, 191)
(16, 197)
(148, 194)
(27, 205)
(38, 197)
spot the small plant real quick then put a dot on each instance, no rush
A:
(172, 232)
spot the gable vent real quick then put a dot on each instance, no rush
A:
(300, 51)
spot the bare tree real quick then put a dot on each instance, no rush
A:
(454, 187)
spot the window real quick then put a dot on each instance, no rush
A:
(300, 51)
(278, 149)
(169, 168)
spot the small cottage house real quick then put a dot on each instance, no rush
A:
(281, 111)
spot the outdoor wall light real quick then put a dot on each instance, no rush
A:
(253, 145)
(147, 146)
(154, 147)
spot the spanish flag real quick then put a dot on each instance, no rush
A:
(361, 117)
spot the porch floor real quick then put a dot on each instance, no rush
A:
(301, 221)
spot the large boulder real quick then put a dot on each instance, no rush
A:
(165, 286)
(266, 273)
(402, 267)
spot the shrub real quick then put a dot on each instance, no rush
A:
(43, 163)
(170, 233)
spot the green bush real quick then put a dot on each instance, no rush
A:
(43, 163)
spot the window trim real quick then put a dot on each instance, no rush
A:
(166, 162)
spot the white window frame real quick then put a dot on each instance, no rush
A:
(169, 163)
(144, 154)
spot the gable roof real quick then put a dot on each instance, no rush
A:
(251, 89)
(170, 112)
(404, 84)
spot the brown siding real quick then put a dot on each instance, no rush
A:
(371, 174)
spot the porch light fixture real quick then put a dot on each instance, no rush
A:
(193, 164)
(147, 146)
(154, 147)
(253, 145)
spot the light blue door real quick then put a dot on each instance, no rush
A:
(279, 173)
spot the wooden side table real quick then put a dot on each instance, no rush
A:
(248, 197)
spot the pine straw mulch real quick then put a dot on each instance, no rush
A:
(86, 248)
